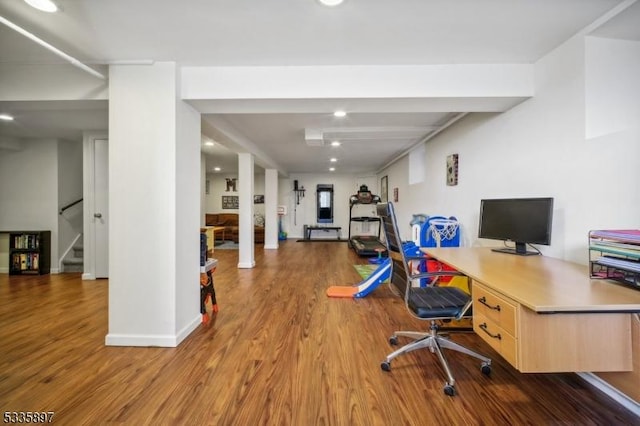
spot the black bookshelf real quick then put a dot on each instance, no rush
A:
(29, 252)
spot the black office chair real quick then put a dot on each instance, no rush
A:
(432, 303)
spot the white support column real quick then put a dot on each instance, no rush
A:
(154, 162)
(186, 250)
(245, 212)
(270, 209)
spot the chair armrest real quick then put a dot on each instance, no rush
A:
(437, 274)
(416, 258)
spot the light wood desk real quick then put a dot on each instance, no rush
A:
(546, 315)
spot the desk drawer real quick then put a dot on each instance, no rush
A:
(495, 308)
(497, 337)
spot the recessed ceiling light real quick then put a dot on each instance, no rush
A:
(209, 143)
(339, 114)
(333, 160)
(332, 169)
(216, 169)
(335, 143)
(331, 2)
(43, 5)
(6, 117)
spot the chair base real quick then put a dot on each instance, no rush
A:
(435, 342)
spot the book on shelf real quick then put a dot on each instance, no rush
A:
(26, 241)
(15, 262)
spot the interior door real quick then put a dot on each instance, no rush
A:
(101, 207)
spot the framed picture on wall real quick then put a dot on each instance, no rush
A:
(258, 199)
(384, 188)
(230, 202)
(452, 170)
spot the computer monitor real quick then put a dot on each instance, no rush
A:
(521, 220)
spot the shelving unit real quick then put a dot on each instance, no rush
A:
(615, 255)
(29, 252)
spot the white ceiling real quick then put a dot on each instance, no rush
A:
(293, 32)
(366, 145)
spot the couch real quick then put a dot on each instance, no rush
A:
(230, 222)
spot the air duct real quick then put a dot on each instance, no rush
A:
(314, 137)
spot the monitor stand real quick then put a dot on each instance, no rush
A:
(520, 250)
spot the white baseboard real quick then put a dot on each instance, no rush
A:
(163, 341)
(612, 392)
(189, 328)
(88, 276)
(246, 265)
(4, 270)
(149, 340)
(271, 246)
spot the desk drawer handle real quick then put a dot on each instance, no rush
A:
(483, 300)
(483, 326)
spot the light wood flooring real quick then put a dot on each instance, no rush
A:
(279, 352)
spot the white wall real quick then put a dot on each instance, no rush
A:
(344, 185)
(218, 189)
(612, 143)
(537, 148)
(29, 191)
(411, 198)
(259, 189)
(4, 253)
(612, 86)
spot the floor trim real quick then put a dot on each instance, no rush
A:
(612, 392)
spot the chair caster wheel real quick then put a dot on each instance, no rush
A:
(449, 390)
(385, 365)
(485, 368)
(393, 340)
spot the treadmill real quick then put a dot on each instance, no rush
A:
(365, 245)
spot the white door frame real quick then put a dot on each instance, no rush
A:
(88, 174)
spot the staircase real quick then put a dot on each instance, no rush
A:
(75, 261)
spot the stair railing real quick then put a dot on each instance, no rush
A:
(70, 205)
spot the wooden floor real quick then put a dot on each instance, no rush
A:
(279, 352)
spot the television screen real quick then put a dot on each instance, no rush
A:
(521, 220)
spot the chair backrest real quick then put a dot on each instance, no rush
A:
(400, 273)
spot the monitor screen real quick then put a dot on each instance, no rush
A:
(521, 220)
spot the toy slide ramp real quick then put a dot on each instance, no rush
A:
(364, 287)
